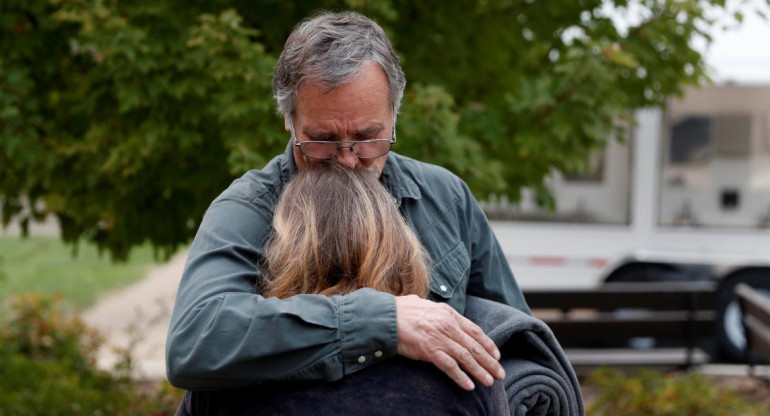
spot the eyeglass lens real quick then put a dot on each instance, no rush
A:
(327, 150)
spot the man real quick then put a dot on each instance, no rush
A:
(338, 84)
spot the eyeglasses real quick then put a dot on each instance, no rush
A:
(327, 149)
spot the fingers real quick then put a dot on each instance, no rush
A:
(474, 353)
(464, 359)
(482, 348)
(436, 333)
(449, 366)
(479, 336)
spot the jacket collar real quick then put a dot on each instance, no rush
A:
(288, 165)
(399, 181)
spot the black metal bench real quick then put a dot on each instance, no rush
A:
(755, 309)
(595, 326)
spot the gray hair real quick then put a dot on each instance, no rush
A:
(333, 48)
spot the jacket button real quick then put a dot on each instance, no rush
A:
(378, 354)
(443, 288)
(361, 359)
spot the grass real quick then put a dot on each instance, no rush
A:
(45, 265)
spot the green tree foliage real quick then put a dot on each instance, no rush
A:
(539, 85)
(125, 118)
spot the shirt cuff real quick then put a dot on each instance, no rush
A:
(368, 329)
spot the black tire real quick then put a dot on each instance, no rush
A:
(661, 272)
(729, 330)
(644, 272)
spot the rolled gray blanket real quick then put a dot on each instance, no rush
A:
(539, 380)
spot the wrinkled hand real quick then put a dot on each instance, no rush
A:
(434, 332)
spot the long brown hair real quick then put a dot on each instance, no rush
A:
(337, 230)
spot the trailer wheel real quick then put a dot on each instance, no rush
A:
(729, 329)
(644, 272)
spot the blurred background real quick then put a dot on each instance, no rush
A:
(608, 141)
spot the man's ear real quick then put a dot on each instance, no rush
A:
(286, 123)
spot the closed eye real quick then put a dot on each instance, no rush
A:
(368, 136)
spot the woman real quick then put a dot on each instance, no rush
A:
(337, 230)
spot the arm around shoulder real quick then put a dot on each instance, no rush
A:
(223, 334)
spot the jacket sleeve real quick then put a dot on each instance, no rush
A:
(223, 334)
(490, 274)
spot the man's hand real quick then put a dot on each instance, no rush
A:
(436, 333)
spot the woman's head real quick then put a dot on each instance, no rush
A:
(337, 230)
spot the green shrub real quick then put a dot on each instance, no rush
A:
(48, 367)
(649, 393)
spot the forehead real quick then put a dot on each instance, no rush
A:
(364, 98)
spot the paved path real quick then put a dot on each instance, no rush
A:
(139, 314)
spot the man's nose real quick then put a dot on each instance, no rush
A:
(346, 157)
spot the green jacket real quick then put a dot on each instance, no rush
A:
(223, 334)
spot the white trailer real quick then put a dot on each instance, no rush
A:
(686, 197)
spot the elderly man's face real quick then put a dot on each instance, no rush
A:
(359, 110)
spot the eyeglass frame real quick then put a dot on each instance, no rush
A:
(340, 144)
